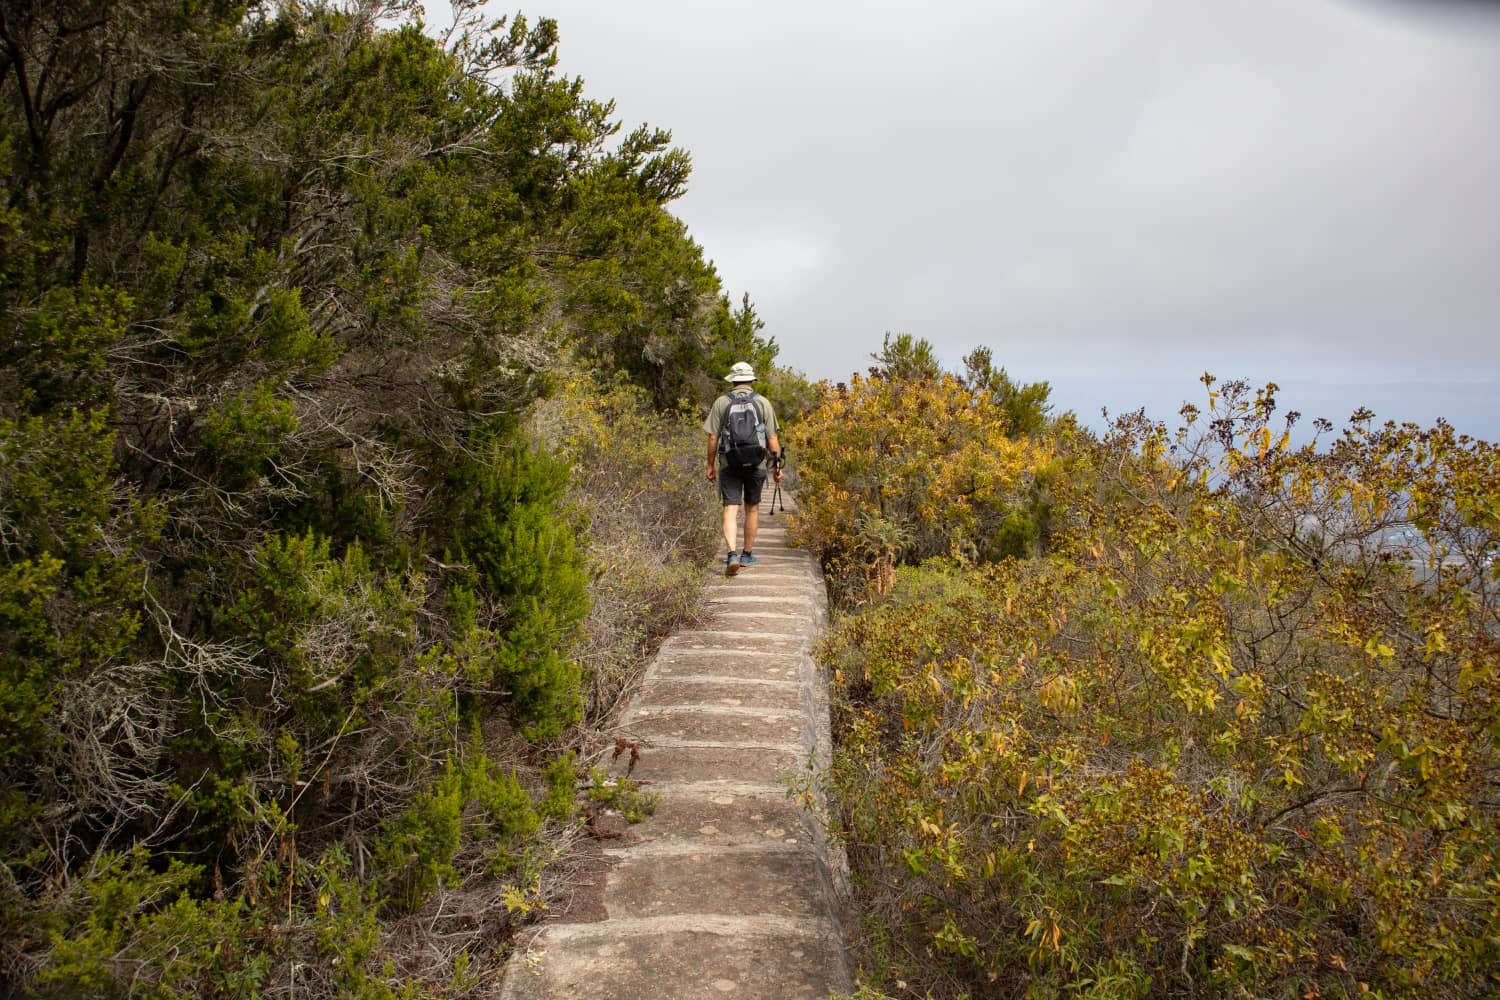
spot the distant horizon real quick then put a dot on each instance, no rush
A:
(1467, 404)
(1468, 407)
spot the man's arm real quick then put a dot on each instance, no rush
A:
(713, 454)
(772, 439)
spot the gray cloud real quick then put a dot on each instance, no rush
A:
(1107, 194)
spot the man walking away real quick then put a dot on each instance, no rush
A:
(742, 445)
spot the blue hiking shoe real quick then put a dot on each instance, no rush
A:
(731, 564)
(746, 559)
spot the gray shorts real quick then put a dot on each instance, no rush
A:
(735, 482)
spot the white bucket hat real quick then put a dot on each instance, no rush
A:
(741, 372)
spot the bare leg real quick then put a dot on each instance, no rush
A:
(752, 525)
(731, 514)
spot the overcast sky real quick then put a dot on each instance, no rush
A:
(1113, 195)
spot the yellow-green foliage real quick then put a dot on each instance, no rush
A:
(477, 802)
(900, 469)
(1225, 740)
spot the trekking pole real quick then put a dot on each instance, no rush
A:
(779, 462)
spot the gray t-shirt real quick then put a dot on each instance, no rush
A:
(715, 418)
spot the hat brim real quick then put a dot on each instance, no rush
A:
(739, 378)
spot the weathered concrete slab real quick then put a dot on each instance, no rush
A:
(681, 959)
(727, 663)
(760, 764)
(790, 585)
(734, 724)
(788, 575)
(734, 641)
(772, 623)
(787, 599)
(729, 692)
(765, 882)
(733, 601)
(719, 819)
(804, 581)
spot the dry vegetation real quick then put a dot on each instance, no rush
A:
(1234, 732)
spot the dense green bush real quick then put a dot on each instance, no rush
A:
(509, 524)
(477, 803)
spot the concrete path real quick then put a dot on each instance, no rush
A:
(729, 890)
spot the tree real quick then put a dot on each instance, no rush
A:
(906, 358)
(1025, 406)
(737, 337)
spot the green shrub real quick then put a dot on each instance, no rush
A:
(622, 795)
(244, 433)
(474, 803)
(562, 784)
(507, 819)
(60, 346)
(133, 931)
(140, 932)
(527, 559)
(416, 851)
(70, 593)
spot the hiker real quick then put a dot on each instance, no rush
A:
(740, 450)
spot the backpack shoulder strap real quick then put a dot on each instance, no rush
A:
(762, 407)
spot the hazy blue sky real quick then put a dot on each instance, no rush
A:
(1113, 195)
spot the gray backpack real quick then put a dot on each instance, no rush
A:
(742, 436)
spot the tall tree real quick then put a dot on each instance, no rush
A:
(904, 357)
(1025, 405)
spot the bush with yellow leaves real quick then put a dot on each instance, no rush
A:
(899, 468)
(1235, 735)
